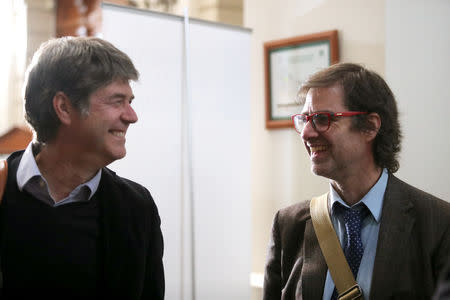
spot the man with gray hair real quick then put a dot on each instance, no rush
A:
(70, 227)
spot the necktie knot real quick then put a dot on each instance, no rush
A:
(352, 216)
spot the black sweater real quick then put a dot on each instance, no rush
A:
(48, 251)
(110, 247)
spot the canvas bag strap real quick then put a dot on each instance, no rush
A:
(3, 177)
(332, 251)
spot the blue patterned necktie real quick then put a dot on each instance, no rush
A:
(353, 247)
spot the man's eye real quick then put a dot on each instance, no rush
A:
(117, 102)
(302, 118)
(321, 119)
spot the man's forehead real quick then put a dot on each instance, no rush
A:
(324, 98)
(116, 86)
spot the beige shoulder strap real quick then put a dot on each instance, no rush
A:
(332, 250)
(3, 177)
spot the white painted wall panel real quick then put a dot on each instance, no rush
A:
(418, 71)
(221, 148)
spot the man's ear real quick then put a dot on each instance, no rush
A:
(374, 124)
(63, 108)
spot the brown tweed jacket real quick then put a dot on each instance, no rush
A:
(413, 248)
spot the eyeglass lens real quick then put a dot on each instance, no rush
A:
(319, 121)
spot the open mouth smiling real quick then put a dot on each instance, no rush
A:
(317, 148)
(117, 133)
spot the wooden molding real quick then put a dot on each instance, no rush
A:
(15, 139)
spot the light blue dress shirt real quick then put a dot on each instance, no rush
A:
(30, 179)
(369, 233)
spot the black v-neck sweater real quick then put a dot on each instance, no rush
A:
(48, 251)
(108, 248)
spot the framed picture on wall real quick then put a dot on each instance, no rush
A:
(288, 63)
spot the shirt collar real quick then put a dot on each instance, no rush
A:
(28, 169)
(93, 183)
(373, 199)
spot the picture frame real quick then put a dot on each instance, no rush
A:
(288, 63)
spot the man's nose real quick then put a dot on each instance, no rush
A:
(129, 115)
(309, 131)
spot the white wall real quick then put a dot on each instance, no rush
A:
(418, 71)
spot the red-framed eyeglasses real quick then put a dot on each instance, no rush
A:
(320, 120)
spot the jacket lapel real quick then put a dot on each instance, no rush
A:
(315, 267)
(397, 221)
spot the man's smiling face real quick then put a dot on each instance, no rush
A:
(101, 134)
(341, 149)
